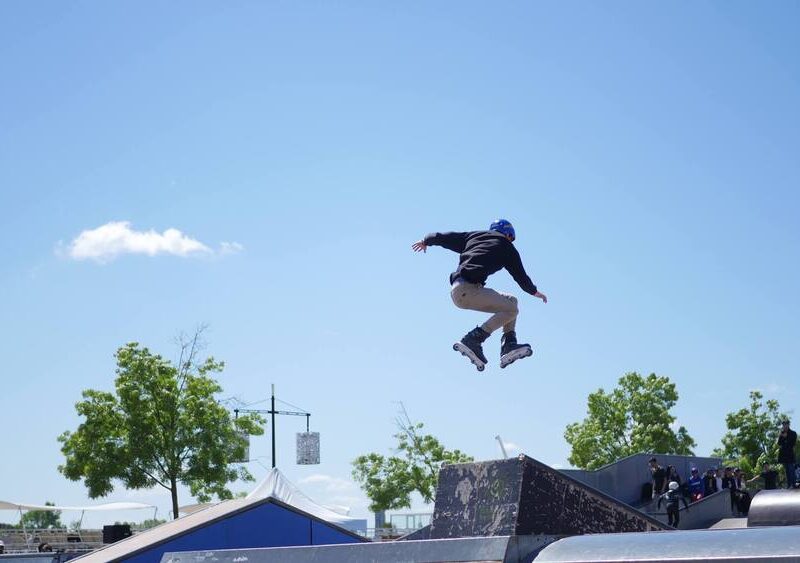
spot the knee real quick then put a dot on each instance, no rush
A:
(513, 304)
(458, 298)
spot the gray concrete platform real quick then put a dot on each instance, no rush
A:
(497, 549)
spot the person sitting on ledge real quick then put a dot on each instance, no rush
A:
(770, 477)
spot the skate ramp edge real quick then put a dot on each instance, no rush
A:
(779, 507)
(497, 549)
(773, 545)
(522, 496)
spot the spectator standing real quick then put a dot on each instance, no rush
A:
(672, 497)
(710, 482)
(740, 492)
(695, 485)
(659, 477)
(2, 547)
(672, 475)
(786, 441)
(728, 482)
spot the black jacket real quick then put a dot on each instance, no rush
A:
(786, 445)
(672, 499)
(482, 254)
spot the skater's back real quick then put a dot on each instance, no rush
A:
(482, 254)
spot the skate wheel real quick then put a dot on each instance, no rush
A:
(480, 368)
(455, 347)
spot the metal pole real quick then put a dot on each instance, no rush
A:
(273, 425)
(308, 418)
(502, 446)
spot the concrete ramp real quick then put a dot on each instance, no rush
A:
(779, 507)
(522, 496)
(498, 549)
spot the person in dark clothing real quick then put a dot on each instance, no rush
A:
(672, 475)
(786, 441)
(739, 492)
(710, 482)
(659, 475)
(728, 482)
(672, 497)
(770, 477)
(482, 253)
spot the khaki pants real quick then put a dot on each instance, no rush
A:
(476, 297)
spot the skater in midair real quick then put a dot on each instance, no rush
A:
(672, 497)
(482, 253)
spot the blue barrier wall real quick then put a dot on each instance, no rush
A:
(266, 525)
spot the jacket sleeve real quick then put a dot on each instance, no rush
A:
(517, 271)
(451, 241)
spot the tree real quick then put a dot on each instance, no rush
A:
(144, 524)
(162, 426)
(633, 418)
(752, 436)
(389, 481)
(41, 519)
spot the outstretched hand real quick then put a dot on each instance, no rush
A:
(420, 246)
(541, 296)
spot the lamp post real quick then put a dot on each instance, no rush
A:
(272, 412)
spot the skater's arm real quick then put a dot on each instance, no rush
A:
(517, 271)
(451, 241)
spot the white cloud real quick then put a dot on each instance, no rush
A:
(115, 238)
(230, 247)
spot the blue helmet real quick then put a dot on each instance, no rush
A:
(505, 227)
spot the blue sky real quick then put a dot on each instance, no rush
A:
(646, 153)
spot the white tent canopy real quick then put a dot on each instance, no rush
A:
(277, 486)
(6, 505)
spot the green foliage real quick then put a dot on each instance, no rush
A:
(633, 418)
(752, 436)
(41, 519)
(145, 524)
(389, 481)
(162, 426)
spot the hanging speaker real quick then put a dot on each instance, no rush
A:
(307, 448)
